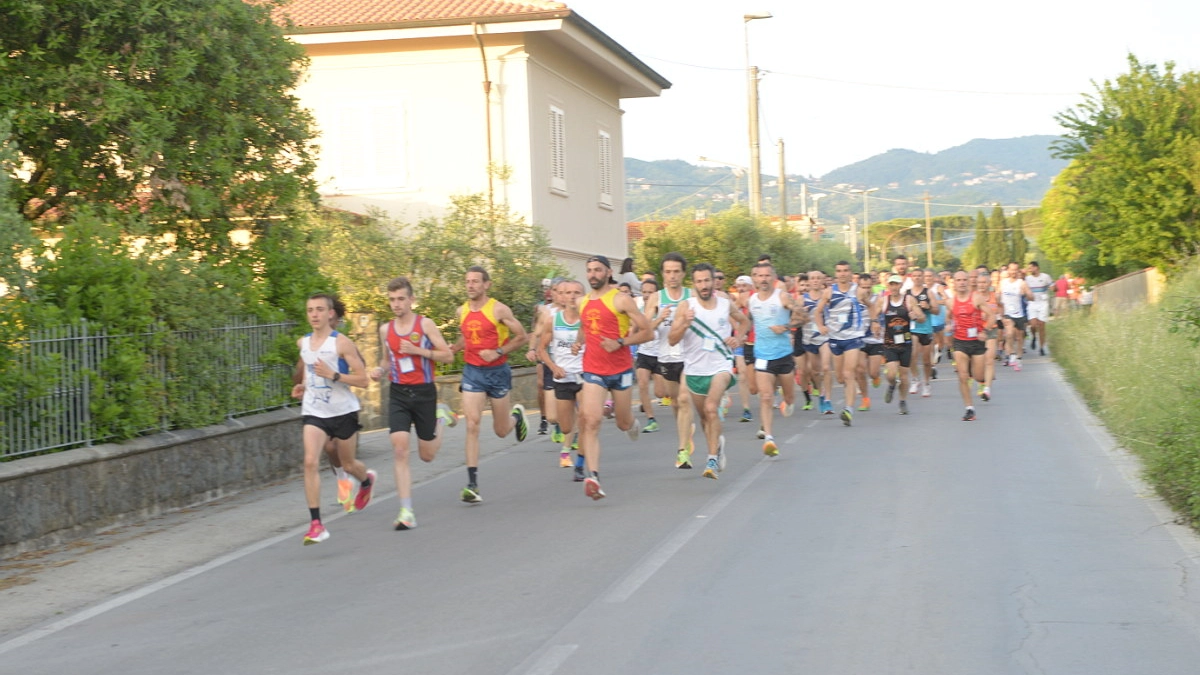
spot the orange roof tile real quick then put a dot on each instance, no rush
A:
(330, 13)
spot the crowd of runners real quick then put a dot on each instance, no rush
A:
(682, 341)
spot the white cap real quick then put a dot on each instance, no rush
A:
(744, 280)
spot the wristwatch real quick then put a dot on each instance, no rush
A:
(500, 351)
(337, 376)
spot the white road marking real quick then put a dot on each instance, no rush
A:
(641, 573)
(552, 659)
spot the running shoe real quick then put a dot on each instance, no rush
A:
(807, 405)
(470, 494)
(557, 436)
(665, 401)
(579, 475)
(446, 414)
(634, 430)
(710, 468)
(345, 488)
(847, 416)
(564, 460)
(316, 533)
(1033, 342)
(683, 460)
(903, 407)
(365, 490)
(544, 427)
(591, 488)
(866, 404)
(575, 443)
(827, 407)
(651, 426)
(926, 392)
(769, 447)
(522, 427)
(891, 392)
(724, 406)
(985, 393)
(875, 381)
(816, 391)
(1017, 366)
(1041, 351)
(405, 520)
(933, 373)
(760, 434)
(969, 415)
(786, 409)
(914, 387)
(721, 452)
(937, 354)
(979, 391)
(746, 416)
(608, 409)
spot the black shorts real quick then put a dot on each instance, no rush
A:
(671, 372)
(567, 391)
(748, 353)
(970, 347)
(413, 405)
(1018, 322)
(925, 339)
(901, 353)
(646, 362)
(547, 377)
(780, 366)
(798, 342)
(872, 349)
(341, 427)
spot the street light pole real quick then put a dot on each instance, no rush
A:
(755, 187)
(888, 242)
(866, 227)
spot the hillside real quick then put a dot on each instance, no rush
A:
(1012, 172)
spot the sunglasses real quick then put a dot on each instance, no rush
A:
(720, 278)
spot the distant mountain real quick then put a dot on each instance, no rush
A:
(1013, 172)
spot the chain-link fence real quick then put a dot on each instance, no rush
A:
(74, 381)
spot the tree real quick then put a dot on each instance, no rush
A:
(1016, 236)
(979, 252)
(998, 248)
(1130, 196)
(183, 110)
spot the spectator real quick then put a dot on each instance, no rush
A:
(1062, 289)
(627, 277)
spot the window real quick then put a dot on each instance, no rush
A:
(364, 146)
(604, 150)
(558, 150)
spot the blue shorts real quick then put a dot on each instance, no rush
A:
(495, 381)
(839, 347)
(618, 382)
(814, 349)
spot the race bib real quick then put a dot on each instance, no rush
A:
(900, 338)
(760, 364)
(406, 364)
(708, 344)
(627, 380)
(972, 333)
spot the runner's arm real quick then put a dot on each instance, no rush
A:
(441, 351)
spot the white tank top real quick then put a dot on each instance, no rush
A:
(1011, 298)
(563, 337)
(667, 353)
(704, 348)
(322, 396)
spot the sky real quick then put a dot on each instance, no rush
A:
(846, 81)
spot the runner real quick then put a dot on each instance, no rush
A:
(705, 329)
(839, 315)
(1014, 293)
(659, 309)
(818, 359)
(559, 333)
(772, 311)
(967, 309)
(412, 344)
(745, 370)
(899, 311)
(330, 409)
(939, 287)
(872, 353)
(488, 332)
(991, 332)
(1040, 285)
(610, 323)
(646, 365)
(546, 383)
(931, 305)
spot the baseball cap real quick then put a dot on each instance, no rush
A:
(603, 260)
(744, 280)
(546, 283)
(895, 279)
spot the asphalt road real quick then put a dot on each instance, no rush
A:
(1022, 542)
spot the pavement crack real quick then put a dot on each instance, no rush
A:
(1033, 631)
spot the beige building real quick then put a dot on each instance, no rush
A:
(415, 100)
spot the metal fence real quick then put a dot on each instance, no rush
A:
(192, 378)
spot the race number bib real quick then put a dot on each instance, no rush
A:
(709, 344)
(627, 380)
(972, 333)
(760, 364)
(406, 364)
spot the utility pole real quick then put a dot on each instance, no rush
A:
(928, 234)
(755, 163)
(783, 205)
